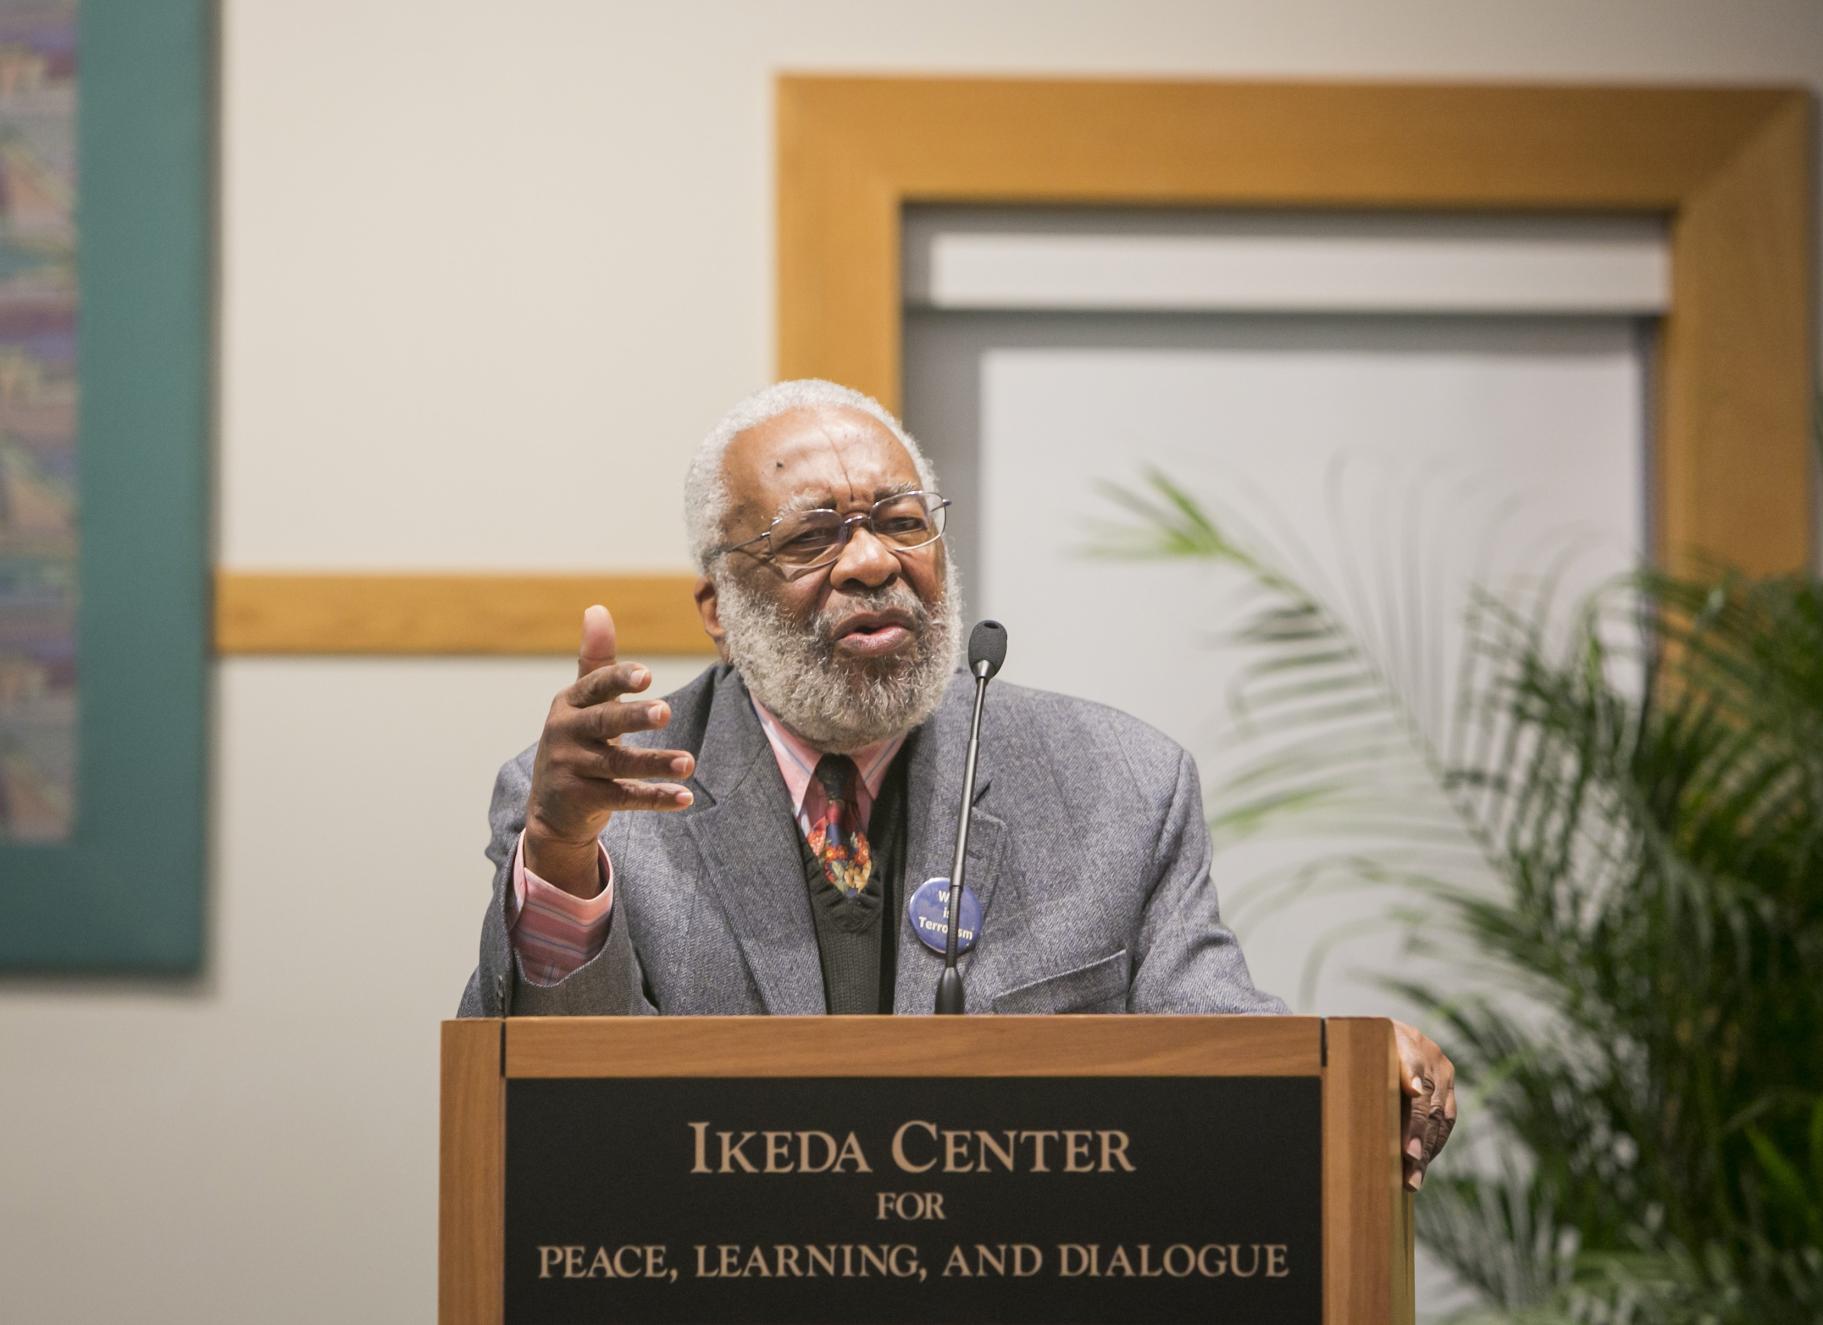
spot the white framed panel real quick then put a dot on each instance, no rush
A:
(1389, 460)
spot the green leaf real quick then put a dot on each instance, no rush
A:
(1615, 820)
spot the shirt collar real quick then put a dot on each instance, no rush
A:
(797, 758)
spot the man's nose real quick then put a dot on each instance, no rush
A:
(865, 560)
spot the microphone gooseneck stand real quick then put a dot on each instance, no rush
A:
(986, 651)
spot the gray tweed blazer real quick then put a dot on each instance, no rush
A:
(1088, 851)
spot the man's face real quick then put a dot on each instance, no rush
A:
(849, 652)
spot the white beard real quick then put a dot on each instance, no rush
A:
(839, 703)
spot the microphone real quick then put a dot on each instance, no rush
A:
(986, 651)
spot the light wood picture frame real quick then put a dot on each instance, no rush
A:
(1731, 169)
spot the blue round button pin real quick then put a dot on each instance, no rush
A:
(925, 911)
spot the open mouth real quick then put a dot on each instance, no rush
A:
(871, 635)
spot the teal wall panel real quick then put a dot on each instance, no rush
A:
(125, 892)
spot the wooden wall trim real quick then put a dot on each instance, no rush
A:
(1730, 167)
(1736, 393)
(303, 613)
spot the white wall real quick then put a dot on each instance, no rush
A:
(487, 272)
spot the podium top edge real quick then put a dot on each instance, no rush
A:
(1001, 1046)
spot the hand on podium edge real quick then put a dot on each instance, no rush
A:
(1427, 1082)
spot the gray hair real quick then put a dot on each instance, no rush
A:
(706, 498)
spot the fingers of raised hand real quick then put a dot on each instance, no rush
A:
(632, 795)
(613, 719)
(598, 640)
(582, 751)
(593, 780)
(594, 754)
(610, 681)
(629, 761)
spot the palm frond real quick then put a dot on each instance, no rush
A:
(1642, 775)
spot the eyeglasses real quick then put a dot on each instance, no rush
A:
(803, 540)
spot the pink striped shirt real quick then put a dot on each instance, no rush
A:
(556, 933)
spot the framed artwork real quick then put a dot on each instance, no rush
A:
(105, 253)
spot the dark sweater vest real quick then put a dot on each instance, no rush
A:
(857, 937)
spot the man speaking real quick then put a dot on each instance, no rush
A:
(756, 842)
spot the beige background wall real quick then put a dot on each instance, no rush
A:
(487, 272)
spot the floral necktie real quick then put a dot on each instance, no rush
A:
(837, 840)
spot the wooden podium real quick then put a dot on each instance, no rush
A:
(918, 1168)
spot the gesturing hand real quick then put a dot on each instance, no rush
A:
(583, 774)
(1427, 1080)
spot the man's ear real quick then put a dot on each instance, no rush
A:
(710, 611)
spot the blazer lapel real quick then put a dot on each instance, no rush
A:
(748, 840)
(933, 791)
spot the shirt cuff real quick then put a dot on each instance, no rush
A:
(555, 933)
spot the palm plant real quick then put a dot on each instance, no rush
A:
(1645, 784)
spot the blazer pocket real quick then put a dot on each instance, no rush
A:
(1101, 986)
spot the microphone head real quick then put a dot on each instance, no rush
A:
(986, 648)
